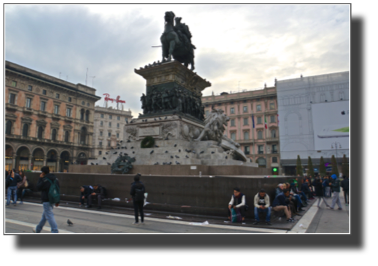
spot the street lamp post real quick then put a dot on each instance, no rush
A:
(335, 144)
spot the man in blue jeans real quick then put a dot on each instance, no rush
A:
(12, 179)
(43, 185)
(262, 204)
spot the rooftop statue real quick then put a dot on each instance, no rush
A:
(176, 41)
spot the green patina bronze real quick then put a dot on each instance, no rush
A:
(123, 164)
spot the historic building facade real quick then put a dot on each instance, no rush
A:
(109, 126)
(49, 121)
(253, 123)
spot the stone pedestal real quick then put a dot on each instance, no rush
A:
(171, 89)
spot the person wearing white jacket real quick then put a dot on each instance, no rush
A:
(262, 204)
(237, 202)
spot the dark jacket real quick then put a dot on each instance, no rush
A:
(43, 185)
(138, 185)
(12, 182)
(335, 185)
(278, 191)
(87, 192)
(318, 188)
(345, 184)
(99, 191)
(280, 200)
(305, 188)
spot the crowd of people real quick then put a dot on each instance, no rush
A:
(290, 197)
(16, 186)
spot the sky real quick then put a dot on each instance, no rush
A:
(239, 47)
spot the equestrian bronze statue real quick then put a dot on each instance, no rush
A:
(176, 41)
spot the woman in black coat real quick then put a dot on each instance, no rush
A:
(319, 192)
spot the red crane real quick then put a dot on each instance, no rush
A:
(119, 101)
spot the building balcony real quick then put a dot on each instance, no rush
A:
(11, 106)
(27, 110)
(68, 119)
(272, 139)
(42, 113)
(56, 116)
(245, 141)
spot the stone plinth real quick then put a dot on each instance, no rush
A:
(171, 89)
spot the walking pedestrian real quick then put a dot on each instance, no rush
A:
(137, 193)
(12, 180)
(45, 181)
(319, 192)
(21, 185)
(335, 184)
(345, 186)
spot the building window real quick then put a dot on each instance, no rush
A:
(57, 95)
(102, 115)
(82, 113)
(82, 102)
(117, 135)
(87, 116)
(245, 121)
(83, 135)
(67, 136)
(40, 132)
(44, 92)
(100, 133)
(30, 88)
(126, 120)
(69, 99)
(272, 119)
(246, 150)
(233, 135)
(118, 118)
(273, 133)
(100, 143)
(245, 109)
(274, 159)
(246, 135)
(109, 134)
(232, 122)
(68, 112)
(12, 98)
(259, 120)
(258, 107)
(274, 148)
(101, 123)
(99, 152)
(110, 117)
(8, 129)
(109, 143)
(88, 104)
(56, 109)
(117, 125)
(14, 83)
(259, 134)
(261, 149)
(53, 135)
(271, 106)
(232, 110)
(110, 124)
(25, 130)
(28, 102)
(43, 106)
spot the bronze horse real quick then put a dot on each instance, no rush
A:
(176, 42)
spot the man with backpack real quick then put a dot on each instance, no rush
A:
(345, 186)
(50, 194)
(137, 193)
(85, 193)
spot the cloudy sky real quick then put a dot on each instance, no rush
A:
(239, 47)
